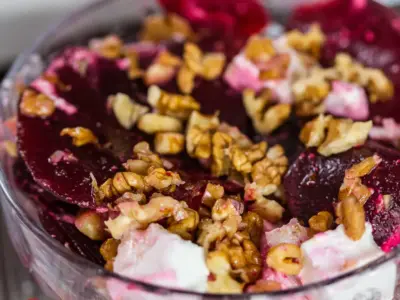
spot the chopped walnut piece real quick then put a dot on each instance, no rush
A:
(162, 180)
(221, 163)
(285, 258)
(185, 80)
(110, 46)
(160, 28)
(321, 222)
(90, 224)
(193, 57)
(310, 42)
(256, 152)
(213, 65)
(343, 134)
(209, 232)
(259, 49)
(126, 110)
(143, 152)
(309, 93)
(265, 120)
(134, 70)
(241, 140)
(220, 267)
(198, 135)
(36, 105)
(211, 194)
(80, 136)
(169, 143)
(276, 67)
(152, 123)
(240, 161)
(173, 105)
(254, 226)
(267, 209)
(313, 133)
(162, 69)
(270, 170)
(108, 251)
(186, 227)
(351, 214)
(273, 118)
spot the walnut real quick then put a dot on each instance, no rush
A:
(262, 286)
(213, 65)
(193, 57)
(310, 42)
(109, 47)
(108, 251)
(160, 28)
(285, 258)
(137, 166)
(254, 226)
(126, 110)
(273, 118)
(211, 194)
(80, 136)
(321, 222)
(172, 105)
(157, 74)
(309, 93)
(121, 182)
(36, 105)
(240, 140)
(244, 258)
(380, 87)
(351, 214)
(136, 216)
(166, 58)
(152, 123)
(352, 184)
(220, 268)
(240, 161)
(134, 70)
(162, 180)
(143, 152)
(169, 143)
(270, 170)
(255, 105)
(198, 136)
(186, 227)
(209, 233)
(276, 67)
(267, 209)
(90, 224)
(259, 49)
(343, 134)
(313, 133)
(256, 152)
(224, 208)
(185, 79)
(264, 119)
(221, 163)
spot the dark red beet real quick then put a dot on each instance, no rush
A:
(368, 31)
(312, 185)
(226, 16)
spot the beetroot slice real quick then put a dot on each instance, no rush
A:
(365, 29)
(38, 139)
(313, 181)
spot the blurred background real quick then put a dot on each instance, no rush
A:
(21, 21)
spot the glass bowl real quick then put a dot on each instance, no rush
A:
(63, 274)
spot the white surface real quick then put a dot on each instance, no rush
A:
(21, 21)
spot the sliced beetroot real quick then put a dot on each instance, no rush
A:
(225, 16)
(313, 181)
(38, 139)
(365, 29)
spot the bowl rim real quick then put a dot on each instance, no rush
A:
(40, 233)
